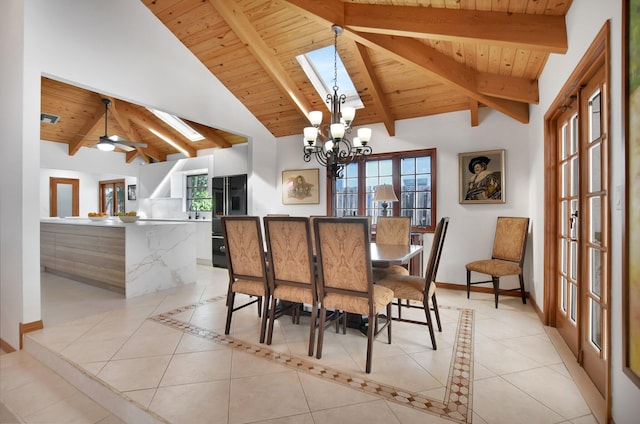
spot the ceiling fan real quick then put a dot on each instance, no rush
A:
(109, 143)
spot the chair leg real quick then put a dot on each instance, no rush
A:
(468, 283)
(259, 306)
(312, 329)
(427, 313)
(496, 288)
(399, 308)
(370, 335)
(323, 313)
(524, 297)
(436, 311)
(265, 314)
(230, 298)
(389, 322)
(272, 318)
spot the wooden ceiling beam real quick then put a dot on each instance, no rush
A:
(155, 129)
(473, 108)
(538, 32)
(79, 140)
(243, 29)
(129, 131)
(376, 90)
(421, 57)
(441, 67)
(510, 88)
(209, 134)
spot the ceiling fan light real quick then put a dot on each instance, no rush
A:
(106, 147)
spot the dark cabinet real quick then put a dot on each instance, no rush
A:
(230, 195)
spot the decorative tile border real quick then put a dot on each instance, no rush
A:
(457, 405)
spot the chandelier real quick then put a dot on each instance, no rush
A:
(330, 143)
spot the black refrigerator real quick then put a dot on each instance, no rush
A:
(229, 198)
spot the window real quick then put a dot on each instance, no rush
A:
(112, 196)
(198, 197)
(412, 175)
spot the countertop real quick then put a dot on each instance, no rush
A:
(175, 220)
(112, 222)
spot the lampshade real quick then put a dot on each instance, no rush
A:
(364, 134)
(348, 113)
(315, 117)
(337, 130)
(384, 193)
(310, 133)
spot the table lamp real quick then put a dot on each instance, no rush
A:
(384, 193)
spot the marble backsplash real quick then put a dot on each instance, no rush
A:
(167, 208)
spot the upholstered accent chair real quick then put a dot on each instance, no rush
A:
(345, 276)
(509, 245)
(291, 268)
(246, 266)
(392, 230)
(420, 289)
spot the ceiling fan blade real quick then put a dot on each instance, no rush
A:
(131, 143)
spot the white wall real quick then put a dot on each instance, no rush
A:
(134, 59)
(584, 21)
(471, 228)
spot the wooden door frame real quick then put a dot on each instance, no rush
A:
(597, 55)
(53, 195)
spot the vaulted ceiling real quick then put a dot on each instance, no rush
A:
(406, 58)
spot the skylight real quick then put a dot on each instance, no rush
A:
(178, 125)
(318, 65)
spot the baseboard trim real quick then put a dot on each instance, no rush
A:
(478, 289)
(29, 327)
(6, 346)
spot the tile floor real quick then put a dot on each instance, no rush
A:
(166, 357)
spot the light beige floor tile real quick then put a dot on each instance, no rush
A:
(135, 374)
(75, 409)
(93, 367)
(295, 419)
(407, 415)
(189, 343)
(193, 403)
(322, 394)
(436, 362)
(498, 401)
(246, 365)
(375, 412)
(143, 397)
(538, 348)
(436, 394)
(198, 367)
(587, 419)
(94, 350)
(111, 419)
(552, 389)
(403, 371)
(254, 398)
(480, 371)
(502, 360)
(149, 340)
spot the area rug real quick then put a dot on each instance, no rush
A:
(457, 403)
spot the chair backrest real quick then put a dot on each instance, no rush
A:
(289, 251)
(244, 247)
(431, 269)
(344, 256)
(393, 230)
(510, 240)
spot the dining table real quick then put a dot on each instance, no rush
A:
(384, 255)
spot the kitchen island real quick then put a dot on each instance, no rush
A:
(133, 259)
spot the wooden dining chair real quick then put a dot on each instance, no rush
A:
(345, 276)
(507, 258)
(420, 289)
(292, 268)
(392, 230)
(246, 266)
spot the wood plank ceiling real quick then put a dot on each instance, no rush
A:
(406, 58)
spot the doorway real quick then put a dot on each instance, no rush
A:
(112, 196)
(64, 197)
(577, 213)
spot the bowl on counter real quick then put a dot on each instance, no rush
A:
(128, 218)
(99, 218)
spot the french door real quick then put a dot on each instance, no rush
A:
(581, 276)
(112, 196)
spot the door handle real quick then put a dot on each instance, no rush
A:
(573, 218)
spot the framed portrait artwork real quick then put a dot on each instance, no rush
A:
(301, 187)
(631, 233)
(482, 177)
(131, 192)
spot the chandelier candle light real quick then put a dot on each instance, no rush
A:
(329, 143)
(384, 193)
